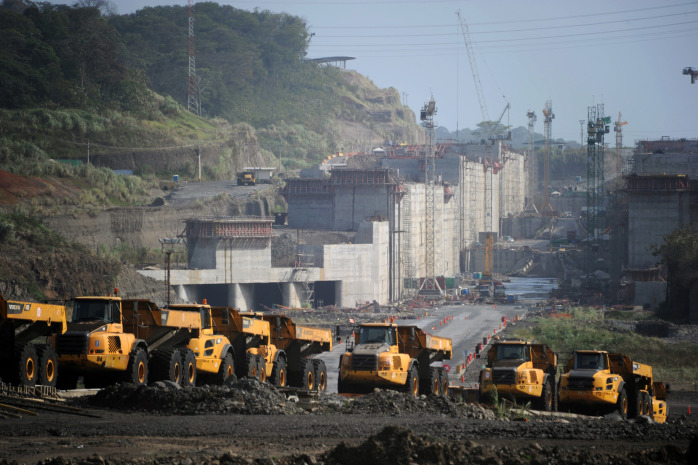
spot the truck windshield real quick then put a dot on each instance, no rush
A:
(512, 352)
(105, 310)
(590, 361)
(368, 335)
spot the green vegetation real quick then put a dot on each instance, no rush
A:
(672, 362)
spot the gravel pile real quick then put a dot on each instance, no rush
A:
(247, 396)
(386, 402)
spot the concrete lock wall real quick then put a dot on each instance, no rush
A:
(650, 218)
(311, 211)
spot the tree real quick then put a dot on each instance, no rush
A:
(679, 255)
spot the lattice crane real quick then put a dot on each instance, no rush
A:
(618, 128)
(473, 67)
(548, 121)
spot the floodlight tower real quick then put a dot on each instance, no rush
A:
(430, 286)
(193, 104)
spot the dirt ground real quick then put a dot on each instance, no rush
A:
(250, 422)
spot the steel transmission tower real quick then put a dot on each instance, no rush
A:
(430, 286)
(597, 126)
(193, 104)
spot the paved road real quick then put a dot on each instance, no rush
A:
(187, 192)
(469, 325)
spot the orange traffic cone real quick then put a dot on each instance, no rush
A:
(689, 409)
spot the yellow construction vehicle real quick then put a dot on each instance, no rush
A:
(299, 343)
(96, 347)
(385, 355)
(254, 353)
(522, 370)
(27, 357)
(601, 381)
(246, 178)
(182, 346)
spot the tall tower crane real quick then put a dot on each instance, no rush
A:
(473, 66)
(530, 163)
(618, 128)
(193, 104)
(549, 116)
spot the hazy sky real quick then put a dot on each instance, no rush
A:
(627, 55)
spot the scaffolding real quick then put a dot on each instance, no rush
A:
(301, 275)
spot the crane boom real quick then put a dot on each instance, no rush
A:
(473, 67)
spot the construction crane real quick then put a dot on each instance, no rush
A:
(548, 121)
(691, 72)
(618, 128)
(473, 67)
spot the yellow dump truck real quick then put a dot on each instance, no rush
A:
(299, 343)
(182, 345)
(27, 357)
(599, 381)
(385, 355)
(246, 178)
(250, 336)
(522, 370)
(96, 347)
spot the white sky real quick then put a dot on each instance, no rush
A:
(627, 55)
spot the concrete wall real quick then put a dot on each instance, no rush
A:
(311, 211)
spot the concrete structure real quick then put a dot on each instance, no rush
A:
(230, 258)
(662, 196)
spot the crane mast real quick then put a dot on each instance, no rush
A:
(473, 66)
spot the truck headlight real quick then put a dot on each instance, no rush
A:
(385, 364)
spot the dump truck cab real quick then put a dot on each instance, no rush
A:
(386, 355)
(96, 346)
(522, 370)
(599, 380)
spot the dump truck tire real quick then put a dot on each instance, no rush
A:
(137, 369)
(226, 370)
(166, 365)
(412, 384)
(305, 377)
(431, 385)
(545, 402)
(622, 404)
(26, 365)
(320, 375)
(647, 403)
(261, 368)
(251, 365)
(443, 377)
(279, 373)
(48, 365)
(188, 367)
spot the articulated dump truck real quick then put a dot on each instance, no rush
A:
(299, 343)
(522, 370)
(254, 353)
(182, 346)
(385, 355)
(27, 357)
(602, 381)
(96, 347)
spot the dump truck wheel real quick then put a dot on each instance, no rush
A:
(412, 384)
(251, 365)
(137, 370)
(278, 373)
(226, 370)
(261, 368)
(320, 375)
(188, 367)
(307, 375)
(545, 403)
(26, 365)
(432, 384)
(443, 377)
(622, 404)
(166, 365)
(648, 405)
(48, 365)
